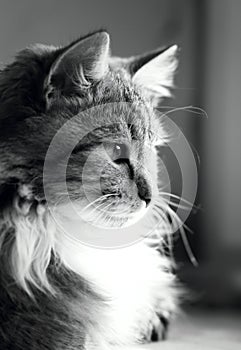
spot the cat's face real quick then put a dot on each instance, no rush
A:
(101, 109)
(113, 165)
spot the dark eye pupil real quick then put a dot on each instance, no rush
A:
(117, 151)
(120, 151)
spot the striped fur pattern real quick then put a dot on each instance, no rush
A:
(56, 293)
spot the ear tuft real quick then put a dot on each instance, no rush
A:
(100, 58)
(156, 77)
(80, 63)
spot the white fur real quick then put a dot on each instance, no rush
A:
(157, 76)
(134, 279)
(31, 251)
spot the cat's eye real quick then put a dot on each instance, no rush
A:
(117, 151)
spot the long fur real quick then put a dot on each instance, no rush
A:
(56, 293)
(130, 291)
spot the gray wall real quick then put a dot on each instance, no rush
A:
(222, 135)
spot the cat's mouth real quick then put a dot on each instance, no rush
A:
(107, 228)
(106, 215)
(120, 217)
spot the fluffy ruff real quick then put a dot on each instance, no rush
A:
(59, 294)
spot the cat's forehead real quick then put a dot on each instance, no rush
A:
(113, 100)
(121, 103)
(124, 102)
(127, 100)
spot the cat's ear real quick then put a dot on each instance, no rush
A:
(154, 72)
(83, 62)
(156, 76)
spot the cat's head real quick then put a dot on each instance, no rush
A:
(107, 104)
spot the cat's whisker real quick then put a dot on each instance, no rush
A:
(175, 224)
(190, 109)
(96, 201)
(171, 195)
(109, 216)
(96, 208)
(171, 212)
(170, 202)
(188, 247)
(101, 214)
(103, 210)
(167, 229)
(107, 220)
(106, 216)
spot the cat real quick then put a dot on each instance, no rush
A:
(56, 292)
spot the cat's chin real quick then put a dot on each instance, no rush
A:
(134, 217)
(120, 220)
(66, 213)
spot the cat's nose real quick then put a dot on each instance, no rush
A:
(144, 190)
(146, 199)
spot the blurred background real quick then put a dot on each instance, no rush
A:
(209, 77)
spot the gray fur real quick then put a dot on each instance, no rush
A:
(33, 107)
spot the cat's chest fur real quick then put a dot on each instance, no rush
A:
(134, 281)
